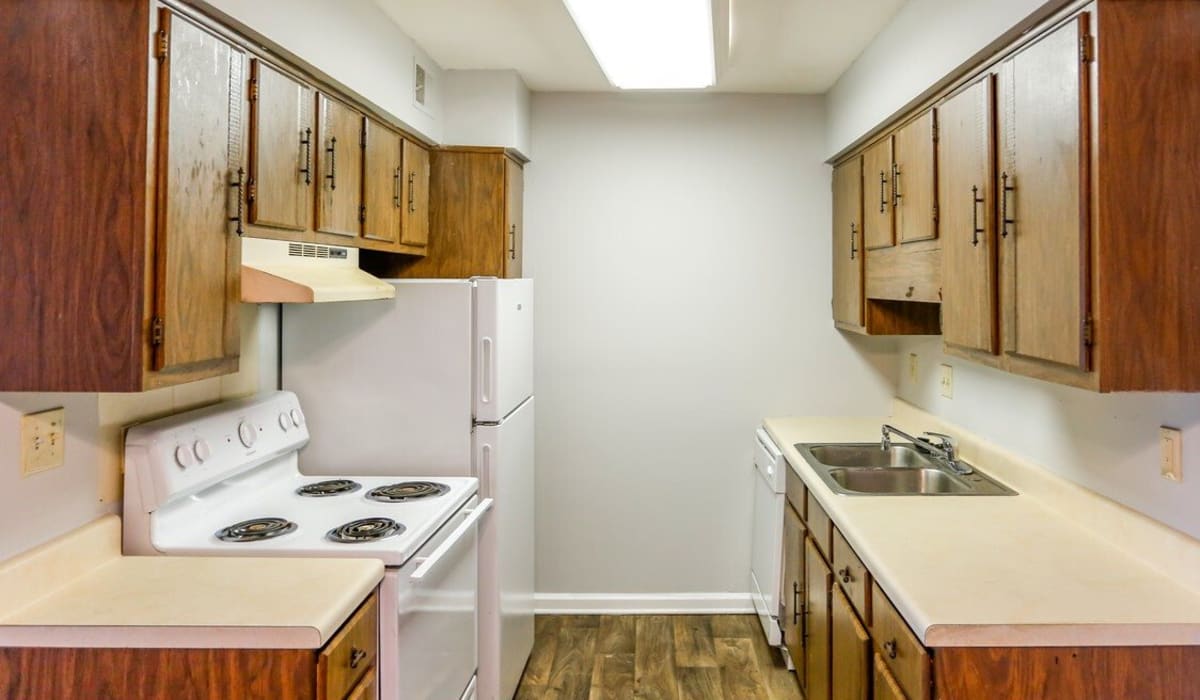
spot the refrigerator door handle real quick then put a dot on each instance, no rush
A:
(487, 361)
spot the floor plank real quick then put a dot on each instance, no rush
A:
(654, 657)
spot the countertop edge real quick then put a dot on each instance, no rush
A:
(161, 637)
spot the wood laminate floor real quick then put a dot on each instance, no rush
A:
(654, 657)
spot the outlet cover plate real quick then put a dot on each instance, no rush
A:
(1170, 442)
(947, 381)
(43, 441)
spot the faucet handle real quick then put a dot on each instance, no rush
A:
(949, 442)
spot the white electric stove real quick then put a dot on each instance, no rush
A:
(224, 481)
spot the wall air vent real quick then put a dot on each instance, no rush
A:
(419, 84)
(310, 250)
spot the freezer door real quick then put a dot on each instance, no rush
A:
(503, 346)
(385, 385)
(505, 464)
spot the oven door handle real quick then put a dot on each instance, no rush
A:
(442, 549)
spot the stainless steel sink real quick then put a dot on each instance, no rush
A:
(866, 469)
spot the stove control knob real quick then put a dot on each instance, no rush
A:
(285, 422)
(247, 434)
(297, 417)
(202, 450)
(183, 457)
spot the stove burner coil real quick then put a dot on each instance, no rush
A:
(329, 487)
(364, 530)
(407, 491)
(256, 530)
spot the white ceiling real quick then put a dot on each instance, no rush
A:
(798, 46)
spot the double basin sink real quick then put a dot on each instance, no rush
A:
(869, 469)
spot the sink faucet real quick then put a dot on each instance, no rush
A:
(946, 447)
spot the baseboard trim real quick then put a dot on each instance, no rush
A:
(642, 603)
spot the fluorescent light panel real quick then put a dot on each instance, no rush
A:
(649, 44)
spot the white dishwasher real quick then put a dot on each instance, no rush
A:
(766, 548)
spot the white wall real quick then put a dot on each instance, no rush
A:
(355, 43)
(1106, 443)
(487, 108)
(681, 251)
(924, 41)
(42, 506)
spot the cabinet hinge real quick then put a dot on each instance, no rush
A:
(935, 132)
(1089, 331)
(362, 135)
(252, 91)
(935, 213)
(251, 191)
(156, 331)
(362, 213)
(1086, 49)
(162, 45)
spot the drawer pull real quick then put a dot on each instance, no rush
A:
(890, 649)
(844, 572)
(356, 656)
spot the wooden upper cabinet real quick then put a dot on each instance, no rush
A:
(877, 196)
(1043, 193)
(339, 169)
(817, 653)
(414, 213)
(793, 588)
(966, 207)
(281, 150)
(914, 181)
(383, 172)
(201, 178)
(514, 217)
(847, 243)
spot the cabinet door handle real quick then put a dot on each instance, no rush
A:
(890, 649)
(882, 191)
(396, 188)
(412, 201)
(512, 250)
(795, 602)
(896, 185)
(977, 200)
(1004, 190)
(237, 185)
(845, 574)
(853, 235)
(332, 151)
(306, 141)
(356, 656)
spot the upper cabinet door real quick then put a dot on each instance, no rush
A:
(281, 150)
(877, 231)
(1043, 198)
(383, 201)
(200, 205)
(965, 204)
(847, 242)
(514, 217)
(414, 227)
(339, 168)
(914, 180)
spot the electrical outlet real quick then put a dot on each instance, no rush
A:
(913, 362)
(947, 383)
(43, 441)
(1170, 442)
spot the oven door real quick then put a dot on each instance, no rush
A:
(428, 647)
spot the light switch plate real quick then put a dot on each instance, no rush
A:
(43, 440)
(1170, 441)
(947, 382)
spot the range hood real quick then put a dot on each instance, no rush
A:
(282, 272)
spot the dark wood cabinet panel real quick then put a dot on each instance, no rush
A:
(281, 149)
(792, 621)
(514, 217)
(877, 223)
(817, 623)
(914, 181)
(414, 227)
(850, 651)
(383, 173)
(339, 170)
(848, 245)
(201, 177)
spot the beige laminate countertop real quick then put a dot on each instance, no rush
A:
(994, 571)
(80, 591)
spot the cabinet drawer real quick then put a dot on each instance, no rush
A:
(797, 494)
(853, 576)
(820, 526)
(350, 654)
(904, 655)
(885, 685)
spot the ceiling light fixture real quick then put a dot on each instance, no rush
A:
(649, 44)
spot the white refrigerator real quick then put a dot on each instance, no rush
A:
(437, 381)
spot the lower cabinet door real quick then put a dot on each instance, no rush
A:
(793, 588)
(818, 581)
(885, 685)
(851, 651)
